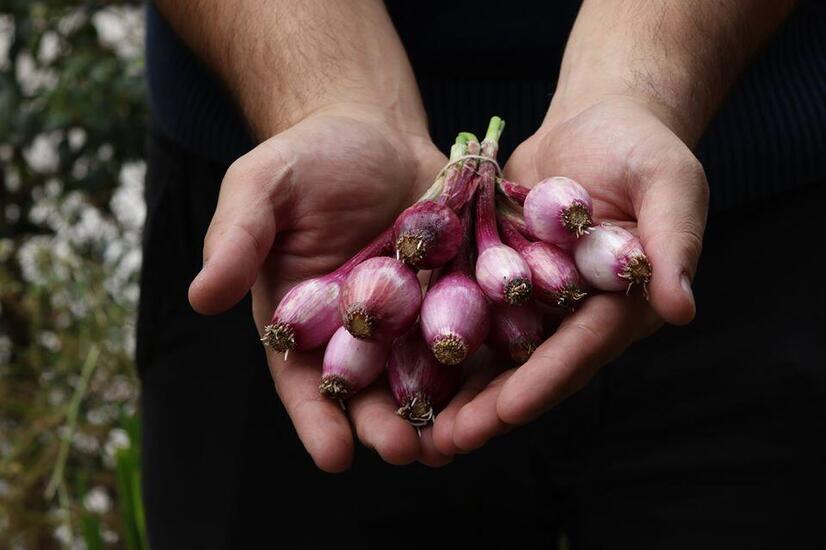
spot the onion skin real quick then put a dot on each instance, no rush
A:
(454, 318)
(558, 210)
(501, 272)
(513, 191)
(307, 316)
(460, 186)
(350, 365)
(555, 278)
(427, 235)
(516, 331)
(612, 259)
(380, 299)
(506, 210)
(455, 315)
(420, 384)
(503, 275)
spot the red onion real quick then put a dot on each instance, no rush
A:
(513, 191)
(508, 210)
(460, 186)
(307, 315)
(428, 233)
(350, 365)
(380, 299)
(558, 210)
(454, 313)
(419, 383)
(500, 270)
(556, 280)
(610, 258)
(503, 275)
(516, 331)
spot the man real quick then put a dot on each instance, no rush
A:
(708, 435)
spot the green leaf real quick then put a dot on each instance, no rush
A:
(91, 532)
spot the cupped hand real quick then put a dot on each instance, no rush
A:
(642, 176)
(295, 207)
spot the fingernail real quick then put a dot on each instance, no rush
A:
(685, 282)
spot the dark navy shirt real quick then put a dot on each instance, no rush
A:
(769, 136)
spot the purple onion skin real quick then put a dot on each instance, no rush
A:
(506, 210)
(500, 271)
(503, 275)
(455, 312)
(455, 318)
(420, 385)
(612, 259)
(380, 299)
(459, 189)
(350, 365)
(516, 331)
(307, 316)
(427, 235)
(513, 191)
(556, 280)
(558, 210)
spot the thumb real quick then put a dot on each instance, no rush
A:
(243, 228)
(671, 221)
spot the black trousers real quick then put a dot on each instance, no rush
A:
(707, 436)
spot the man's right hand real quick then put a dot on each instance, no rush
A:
(326, 187)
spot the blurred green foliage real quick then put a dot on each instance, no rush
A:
(72, 127)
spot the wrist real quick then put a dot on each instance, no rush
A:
(402, 127)
(404, 116)
(668, 91)
(647, 56)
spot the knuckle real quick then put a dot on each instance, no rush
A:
(685, 239)
(589, 336)
(259, 247)
(276, 173)
(241, 235)
(693, 167)
(688, 236)
(705, 191)
(696, 174)
(693, 243)
(268, 169)
(586, 331)
(237, 173)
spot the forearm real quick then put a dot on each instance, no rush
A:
(678, 57)
(282, 59)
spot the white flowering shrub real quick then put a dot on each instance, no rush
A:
(72, 122)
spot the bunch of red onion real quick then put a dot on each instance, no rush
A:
(503, 259)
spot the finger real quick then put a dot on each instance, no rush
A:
(478, 421)
(378, 427)
(481, 369)
(598, 332)
(671, 221)
(243, 227)
(429, 454)
(321, 425)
